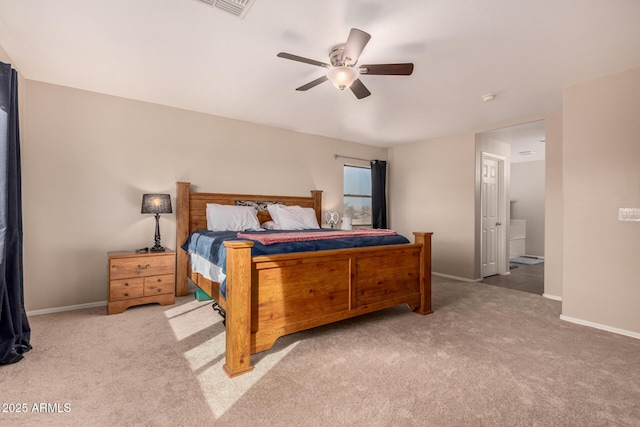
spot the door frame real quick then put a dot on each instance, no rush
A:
(503, 230)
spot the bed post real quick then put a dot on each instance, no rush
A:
(182, 233)
(424, 239)
(317, 202)
(238, 307)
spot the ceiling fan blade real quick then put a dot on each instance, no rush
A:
(314, 83)
(387, 69)
(356, 42)
(359, 89)
(301, 59)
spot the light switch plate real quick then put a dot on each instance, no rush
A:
(629, 214)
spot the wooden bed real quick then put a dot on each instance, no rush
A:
(274, 295)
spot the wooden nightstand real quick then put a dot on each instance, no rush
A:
(140, 278)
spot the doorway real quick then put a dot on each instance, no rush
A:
(523, 223)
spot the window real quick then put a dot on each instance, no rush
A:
(357, 194)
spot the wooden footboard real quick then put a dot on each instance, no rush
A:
(274, 295)
(293, 292)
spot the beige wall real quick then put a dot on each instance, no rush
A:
(4, 56)
(89, 158)
(554, 208)
(434, 185)
(431, 188)
(601, 164)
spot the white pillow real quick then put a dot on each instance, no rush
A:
(273, 212)
(293, 217)
(232, 218)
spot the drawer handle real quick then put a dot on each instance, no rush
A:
(126, 284)
(159, 290)
(126, 294)
(159, 280)
(142, 267)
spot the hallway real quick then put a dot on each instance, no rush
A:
(525, 278)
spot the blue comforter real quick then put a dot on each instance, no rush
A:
(209, 244)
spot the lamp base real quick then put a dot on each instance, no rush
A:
(157, 247)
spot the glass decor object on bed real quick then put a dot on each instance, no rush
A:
(156, 204)
(332, 218)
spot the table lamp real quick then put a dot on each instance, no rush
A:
(156, 204)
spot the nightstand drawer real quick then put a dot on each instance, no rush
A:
(126, 288)
(158, 285)
(141, 266)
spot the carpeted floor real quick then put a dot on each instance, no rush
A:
(486, 356)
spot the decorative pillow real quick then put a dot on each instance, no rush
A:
(260, 206)
(232, 218)
(293, 217)
(269, 225)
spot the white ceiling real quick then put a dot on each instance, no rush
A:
(187, 54)
(527, 140)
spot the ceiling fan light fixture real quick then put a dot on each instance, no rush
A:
(343, 77)
(342, 72)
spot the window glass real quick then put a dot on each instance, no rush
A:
(357, 181)
(357, 195)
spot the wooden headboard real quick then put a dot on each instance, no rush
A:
(191, 216)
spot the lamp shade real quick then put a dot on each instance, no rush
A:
(156, 204)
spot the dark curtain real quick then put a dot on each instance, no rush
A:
(14, 326)
(379, 193)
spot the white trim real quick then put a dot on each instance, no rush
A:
(553, 297)
(67, 308)
(448, 276)
(600, 326)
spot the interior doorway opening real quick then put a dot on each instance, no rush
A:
(523, 225)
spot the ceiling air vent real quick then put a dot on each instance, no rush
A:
(238, 8)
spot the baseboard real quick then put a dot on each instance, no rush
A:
(599, 326)
(448, 276)
(66, 308)
(553, 297)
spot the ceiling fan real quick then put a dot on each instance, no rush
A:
(343, 72)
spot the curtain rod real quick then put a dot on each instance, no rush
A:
(335, 156)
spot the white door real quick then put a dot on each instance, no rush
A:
(490, 215)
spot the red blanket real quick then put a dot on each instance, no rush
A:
(302, 236)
